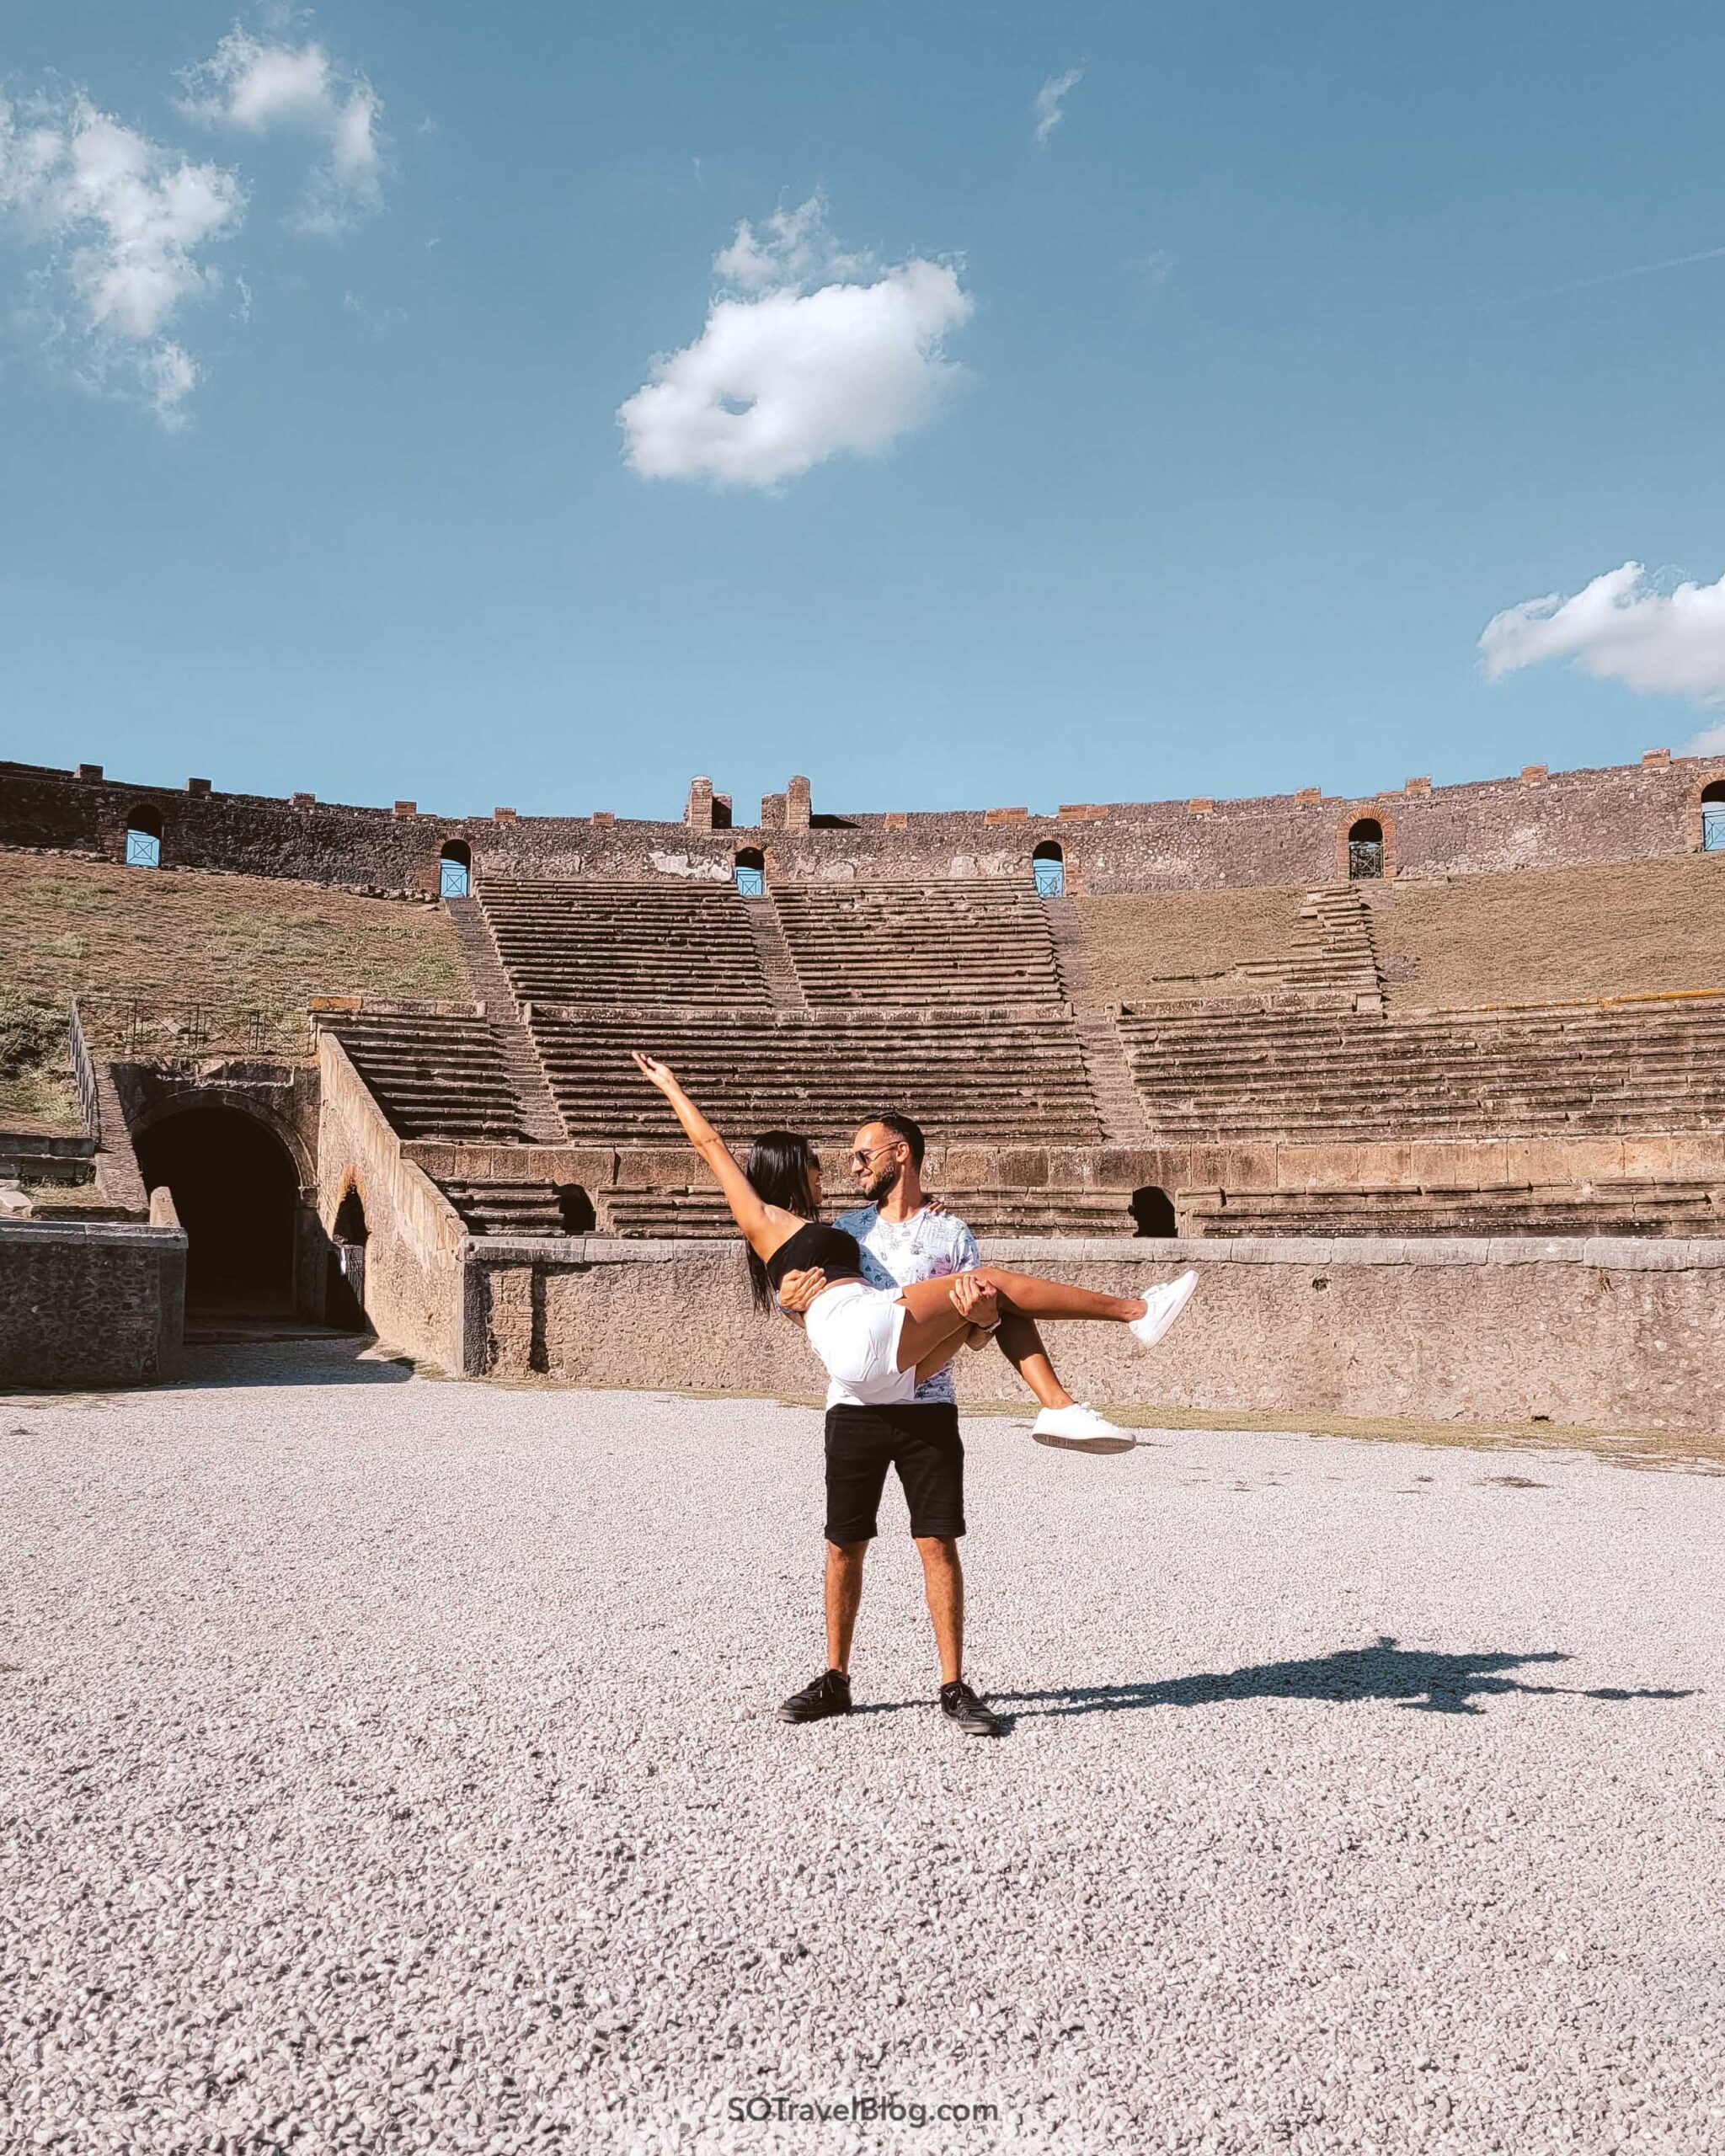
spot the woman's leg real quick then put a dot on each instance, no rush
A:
(931, 1322)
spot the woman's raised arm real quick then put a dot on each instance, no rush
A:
(747, 1209)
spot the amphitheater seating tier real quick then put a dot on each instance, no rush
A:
(568, 941)
(999, 1077)
(1573, 1070)
(1665, 1208)
(433, 1076)
(702, 1212)
(976, 940)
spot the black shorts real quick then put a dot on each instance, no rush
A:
(921, 1441)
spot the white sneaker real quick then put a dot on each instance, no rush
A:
(1081, 1420)
(1162, 1307)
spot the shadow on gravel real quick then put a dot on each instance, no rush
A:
(341, 1359)
(1435, 1684)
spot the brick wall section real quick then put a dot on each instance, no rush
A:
(96, 1304)
(1612, 1334)
(1626, 813)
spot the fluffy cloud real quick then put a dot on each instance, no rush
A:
(255, 85)
(1050, 107)
(1621, 628)
(120, 221)
(807, 352)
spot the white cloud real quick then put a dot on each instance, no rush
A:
(1621, 628)
(1709, 742)
(120, 221)
(256, 85)
(1050, 106)
(807, 351)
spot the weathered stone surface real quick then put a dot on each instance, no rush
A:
(96, 1304)
(1622, 1334)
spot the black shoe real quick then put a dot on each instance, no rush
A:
(829, 1694)
(966, 1712)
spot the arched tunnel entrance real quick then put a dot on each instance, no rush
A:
(237, 1193)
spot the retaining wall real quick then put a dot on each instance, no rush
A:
(1616, 1333)
(98, 1303)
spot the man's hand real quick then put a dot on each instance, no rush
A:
(971, 1299)
(797, 1290)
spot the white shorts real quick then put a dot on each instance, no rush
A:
(855, 1329)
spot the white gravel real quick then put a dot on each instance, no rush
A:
(390, 1765)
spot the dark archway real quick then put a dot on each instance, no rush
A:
(1713, 817)
(1365, 849)
(751, 871)
(143, 839)
(237, 1196)
(455, 870)
(1153, 1212)
(344, 1286)
(1048, 865)
(576, 1206)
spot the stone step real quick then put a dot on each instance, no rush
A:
(511, 1208)
(1653, 1208)
(703, 1212)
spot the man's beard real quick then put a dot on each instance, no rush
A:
(884, 1183)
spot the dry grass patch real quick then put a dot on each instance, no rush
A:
(95, 929)
(1157, 947)
(1553, 934)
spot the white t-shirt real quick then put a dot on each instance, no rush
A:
(895, 1253)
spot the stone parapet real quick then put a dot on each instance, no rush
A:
(1607, 1332)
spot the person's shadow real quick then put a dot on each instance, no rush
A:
(1435, 1684)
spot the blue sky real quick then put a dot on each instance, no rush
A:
(1219, 423)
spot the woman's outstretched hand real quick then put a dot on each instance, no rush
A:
(656, 1072)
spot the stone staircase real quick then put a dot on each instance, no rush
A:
(1119, 1105)
(991, 1076)
(783, 988)
(898, 945)
(1653, 1065)
(1332, 959)
(499, 1208)
(541, 1122)
(639, 943)
(433, 1076)
(1619, 1207)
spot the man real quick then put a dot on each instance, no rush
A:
(903, 1239)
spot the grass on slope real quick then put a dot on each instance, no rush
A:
(173, 938)
(1173, 946)
(1551, 934)
(1523, 936)
(36, 1088)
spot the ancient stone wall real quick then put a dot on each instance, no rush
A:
(101, 1303)
(413, 1290)
(1539, 819)
(1621, 1335)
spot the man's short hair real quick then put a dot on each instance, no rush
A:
(902, 1126)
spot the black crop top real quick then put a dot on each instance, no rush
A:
(831, 1249)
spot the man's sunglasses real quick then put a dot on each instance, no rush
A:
(865, 1154)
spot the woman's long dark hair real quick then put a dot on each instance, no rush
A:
(779, 1166)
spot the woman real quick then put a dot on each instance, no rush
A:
(880, 1342)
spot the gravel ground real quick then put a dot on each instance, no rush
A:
(390, 1765)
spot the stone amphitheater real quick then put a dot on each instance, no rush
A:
(1429, 1083)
